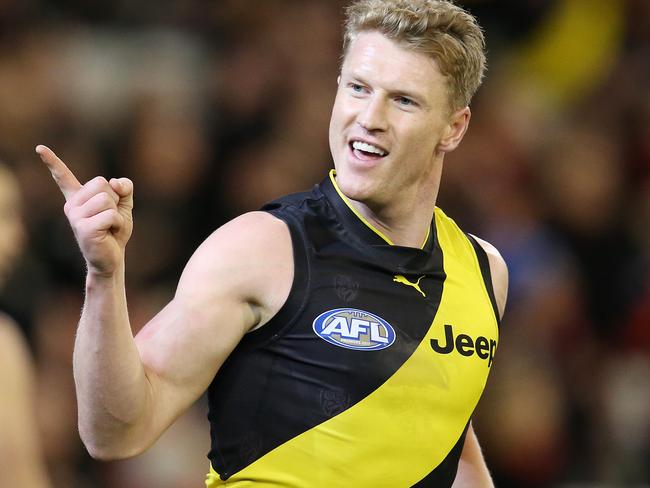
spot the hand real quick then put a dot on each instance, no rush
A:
(99, 212)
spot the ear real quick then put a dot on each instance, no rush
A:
(458, 124)
(338, 80)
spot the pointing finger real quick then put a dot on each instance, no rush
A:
(63, 177)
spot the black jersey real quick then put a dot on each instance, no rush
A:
(369, 373)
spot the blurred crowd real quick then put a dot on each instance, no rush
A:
(213, 108)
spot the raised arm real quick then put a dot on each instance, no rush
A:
(130, 390)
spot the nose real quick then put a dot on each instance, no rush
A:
(373, 115)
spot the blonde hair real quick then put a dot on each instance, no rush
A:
(438, 28)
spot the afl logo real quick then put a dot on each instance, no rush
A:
(354, 329)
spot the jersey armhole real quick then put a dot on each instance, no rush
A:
(295, 302)
(484, 264)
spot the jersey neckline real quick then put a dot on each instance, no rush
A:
(368, 232)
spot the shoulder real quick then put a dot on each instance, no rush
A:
(244, 244)
(259, 231)
(498, 272)
(253, 231)
(248, 260)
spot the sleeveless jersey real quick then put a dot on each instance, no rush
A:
(369, 373)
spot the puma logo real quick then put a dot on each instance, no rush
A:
(401, 279)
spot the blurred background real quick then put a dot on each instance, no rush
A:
(213, 108)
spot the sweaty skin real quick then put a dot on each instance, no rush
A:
(131, 389)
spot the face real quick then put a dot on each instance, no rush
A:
(11, 225)
(391, 124)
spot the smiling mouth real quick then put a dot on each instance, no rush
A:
(366, 151)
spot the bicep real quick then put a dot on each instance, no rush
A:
(220, 297)
(182, 348)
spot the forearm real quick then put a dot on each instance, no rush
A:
(112, 388)
(113, 393)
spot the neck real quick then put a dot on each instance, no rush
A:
(404, 217)
(410, 229)
(404, 221)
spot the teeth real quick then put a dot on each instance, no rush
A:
(363, 146)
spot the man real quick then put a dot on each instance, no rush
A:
(345, 334)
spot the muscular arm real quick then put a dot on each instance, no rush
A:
(133, 389)
(129, 390)
(472, 470)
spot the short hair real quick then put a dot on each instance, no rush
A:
(438, 28)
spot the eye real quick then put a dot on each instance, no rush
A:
(356, 87)
(405, 101)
